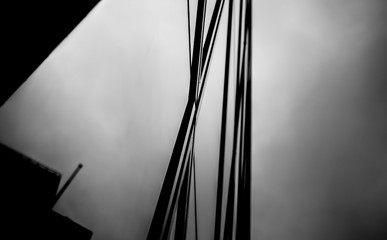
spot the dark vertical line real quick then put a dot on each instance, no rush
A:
(197, 51)
(188, 195)
(213, 28)
(196, 212)
(194, 178)
(240, 204)
(228, 229)
(181, 204)
(248, 123)
(209, 45)
(241, 213)
(219, 197)
(242, 80)
(189, 36)
(208, 52)
(158, 222)
(182, 208)
(239, 40)
(242, 102)
(177, 189)
(245, 221)
(177, 192)
(201, 57)
(241, 76)
(237, 116)
(158, 219)
(230, 201)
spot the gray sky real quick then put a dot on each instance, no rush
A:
(113, 93)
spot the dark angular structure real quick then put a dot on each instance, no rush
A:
(29, 190)
(32, 30)
(27, 183)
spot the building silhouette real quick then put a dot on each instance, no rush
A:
(32, 30)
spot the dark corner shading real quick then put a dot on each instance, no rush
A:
(32, 30)
(29, 191)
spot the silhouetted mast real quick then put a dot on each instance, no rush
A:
(67, 183)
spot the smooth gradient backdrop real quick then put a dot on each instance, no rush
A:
(112, 95)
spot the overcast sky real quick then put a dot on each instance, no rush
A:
(112, 95)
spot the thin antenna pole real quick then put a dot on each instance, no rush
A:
(67, 183)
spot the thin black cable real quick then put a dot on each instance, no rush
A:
(196, 212)
(207, 52)
(157, 225)
(248, 124)
(189, 35)
(158, 220)
(194, 179)
(228, 232)
(201, 56)
(183, 202)
(177, 192)
(213, 28)
(197, 50)
(219, 196)
(244, 211)
(231, 192)
(239, 40)
(241, 177)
